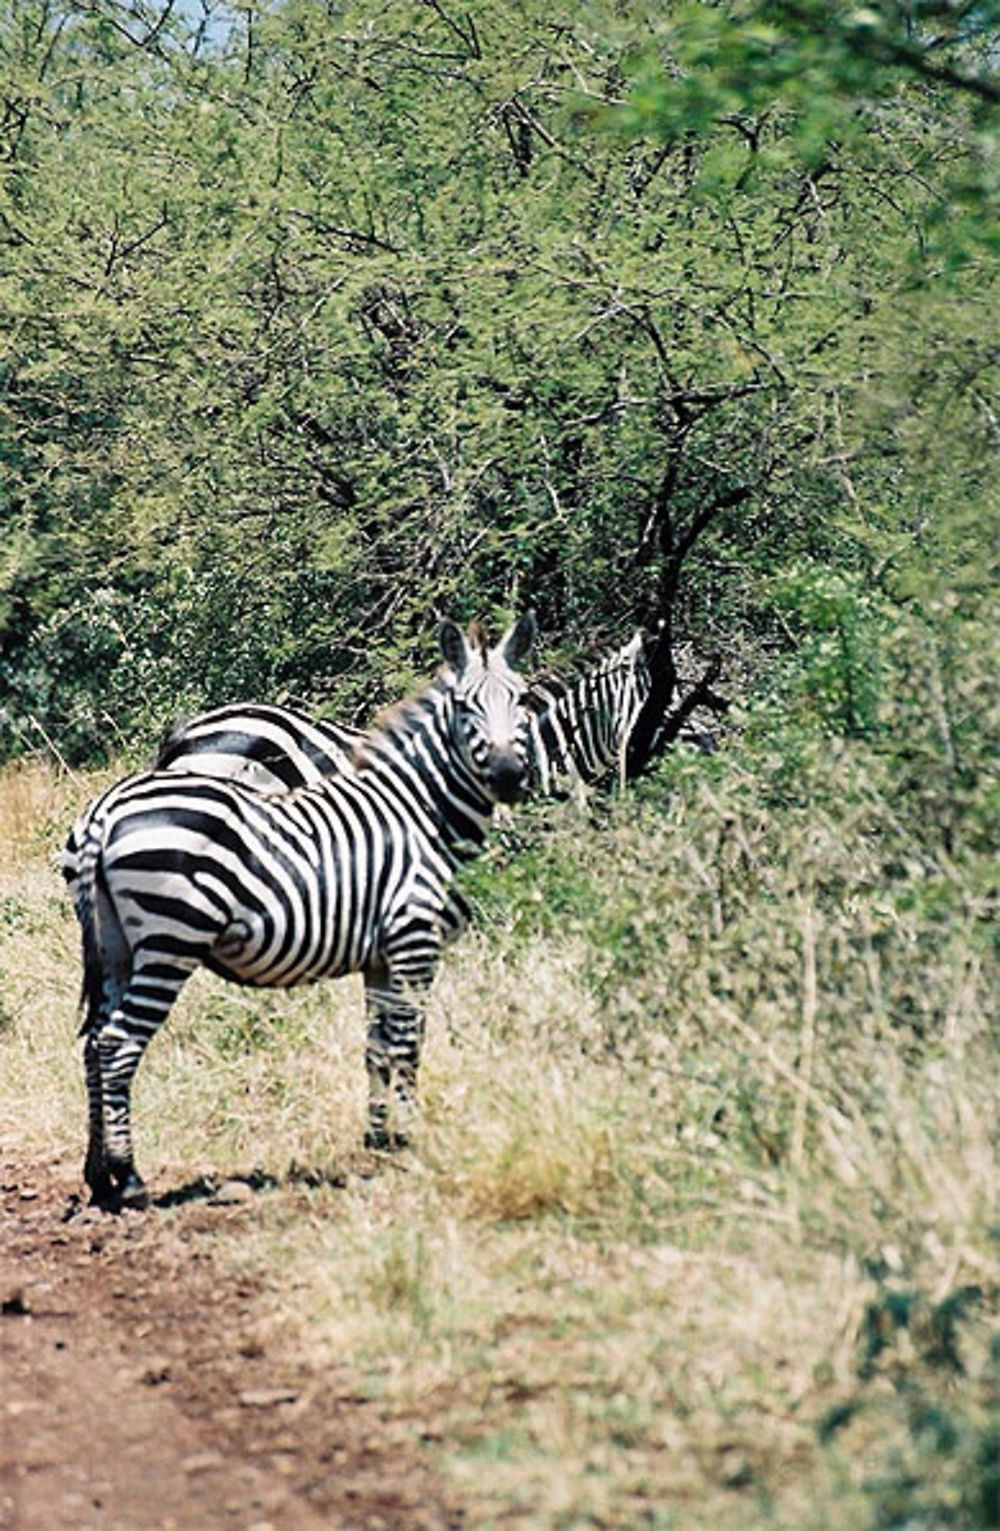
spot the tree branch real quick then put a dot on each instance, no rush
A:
(648, 741)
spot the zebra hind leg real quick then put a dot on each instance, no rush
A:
(109, 1168)
(147, 998)
(95, 1168)
(106, 971)
(119, 1050)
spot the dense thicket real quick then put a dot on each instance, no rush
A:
(317, 319)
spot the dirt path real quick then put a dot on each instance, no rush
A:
(135, 1392)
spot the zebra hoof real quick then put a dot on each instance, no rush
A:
(134, 1196)
(103, 1192)
(383, 1142)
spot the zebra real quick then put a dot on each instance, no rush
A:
(174, 871)
(268, 747)
(578, 728)
(581, 728)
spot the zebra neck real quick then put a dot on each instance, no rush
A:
(416, 766)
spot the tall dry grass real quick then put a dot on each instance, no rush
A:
(701, 1224)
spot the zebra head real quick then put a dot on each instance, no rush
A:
(490, 723)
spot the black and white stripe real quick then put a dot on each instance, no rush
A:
(264, 746)
(579, 730)
(173, 871)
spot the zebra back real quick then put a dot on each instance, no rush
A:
(267, 747)
(580, 729)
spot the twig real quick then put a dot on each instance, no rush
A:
(51, 745)
(807, 1040)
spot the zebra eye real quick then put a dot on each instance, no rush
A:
(473, 727)
(465, 720)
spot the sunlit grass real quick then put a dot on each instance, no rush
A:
(700, 1224)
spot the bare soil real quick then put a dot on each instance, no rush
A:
(135, 1391)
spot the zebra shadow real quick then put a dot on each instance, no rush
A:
(233, 1190)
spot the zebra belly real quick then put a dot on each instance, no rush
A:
(247, 953)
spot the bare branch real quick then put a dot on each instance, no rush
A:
(655, 727)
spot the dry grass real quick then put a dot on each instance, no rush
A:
(698, 1230)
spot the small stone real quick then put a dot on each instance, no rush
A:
(268, 1397)
(15, 1303)
(203, 1462)
(87, 1217)
(156, 1371)
(231, 1193)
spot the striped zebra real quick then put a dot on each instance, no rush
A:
(267, 747)
(175, 871)
(579, 729)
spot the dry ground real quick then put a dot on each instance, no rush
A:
(137, 1391)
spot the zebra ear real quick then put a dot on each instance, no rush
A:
(454, 646)
(517, 640)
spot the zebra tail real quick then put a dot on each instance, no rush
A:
(87, 903)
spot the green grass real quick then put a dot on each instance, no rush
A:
(702, 1223)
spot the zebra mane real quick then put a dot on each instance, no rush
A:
(397, 721)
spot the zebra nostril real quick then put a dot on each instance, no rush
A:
(506, 775)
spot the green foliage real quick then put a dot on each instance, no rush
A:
(323, 320)
(882, 822)
(943, 1469)
(827, 65)
(839, 630)
(777, 941)
(316, 323)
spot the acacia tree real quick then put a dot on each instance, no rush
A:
(321, 318)
(887, 120)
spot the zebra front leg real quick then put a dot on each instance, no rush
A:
(392, 1057)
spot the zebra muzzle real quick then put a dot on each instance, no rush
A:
(506, 776)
